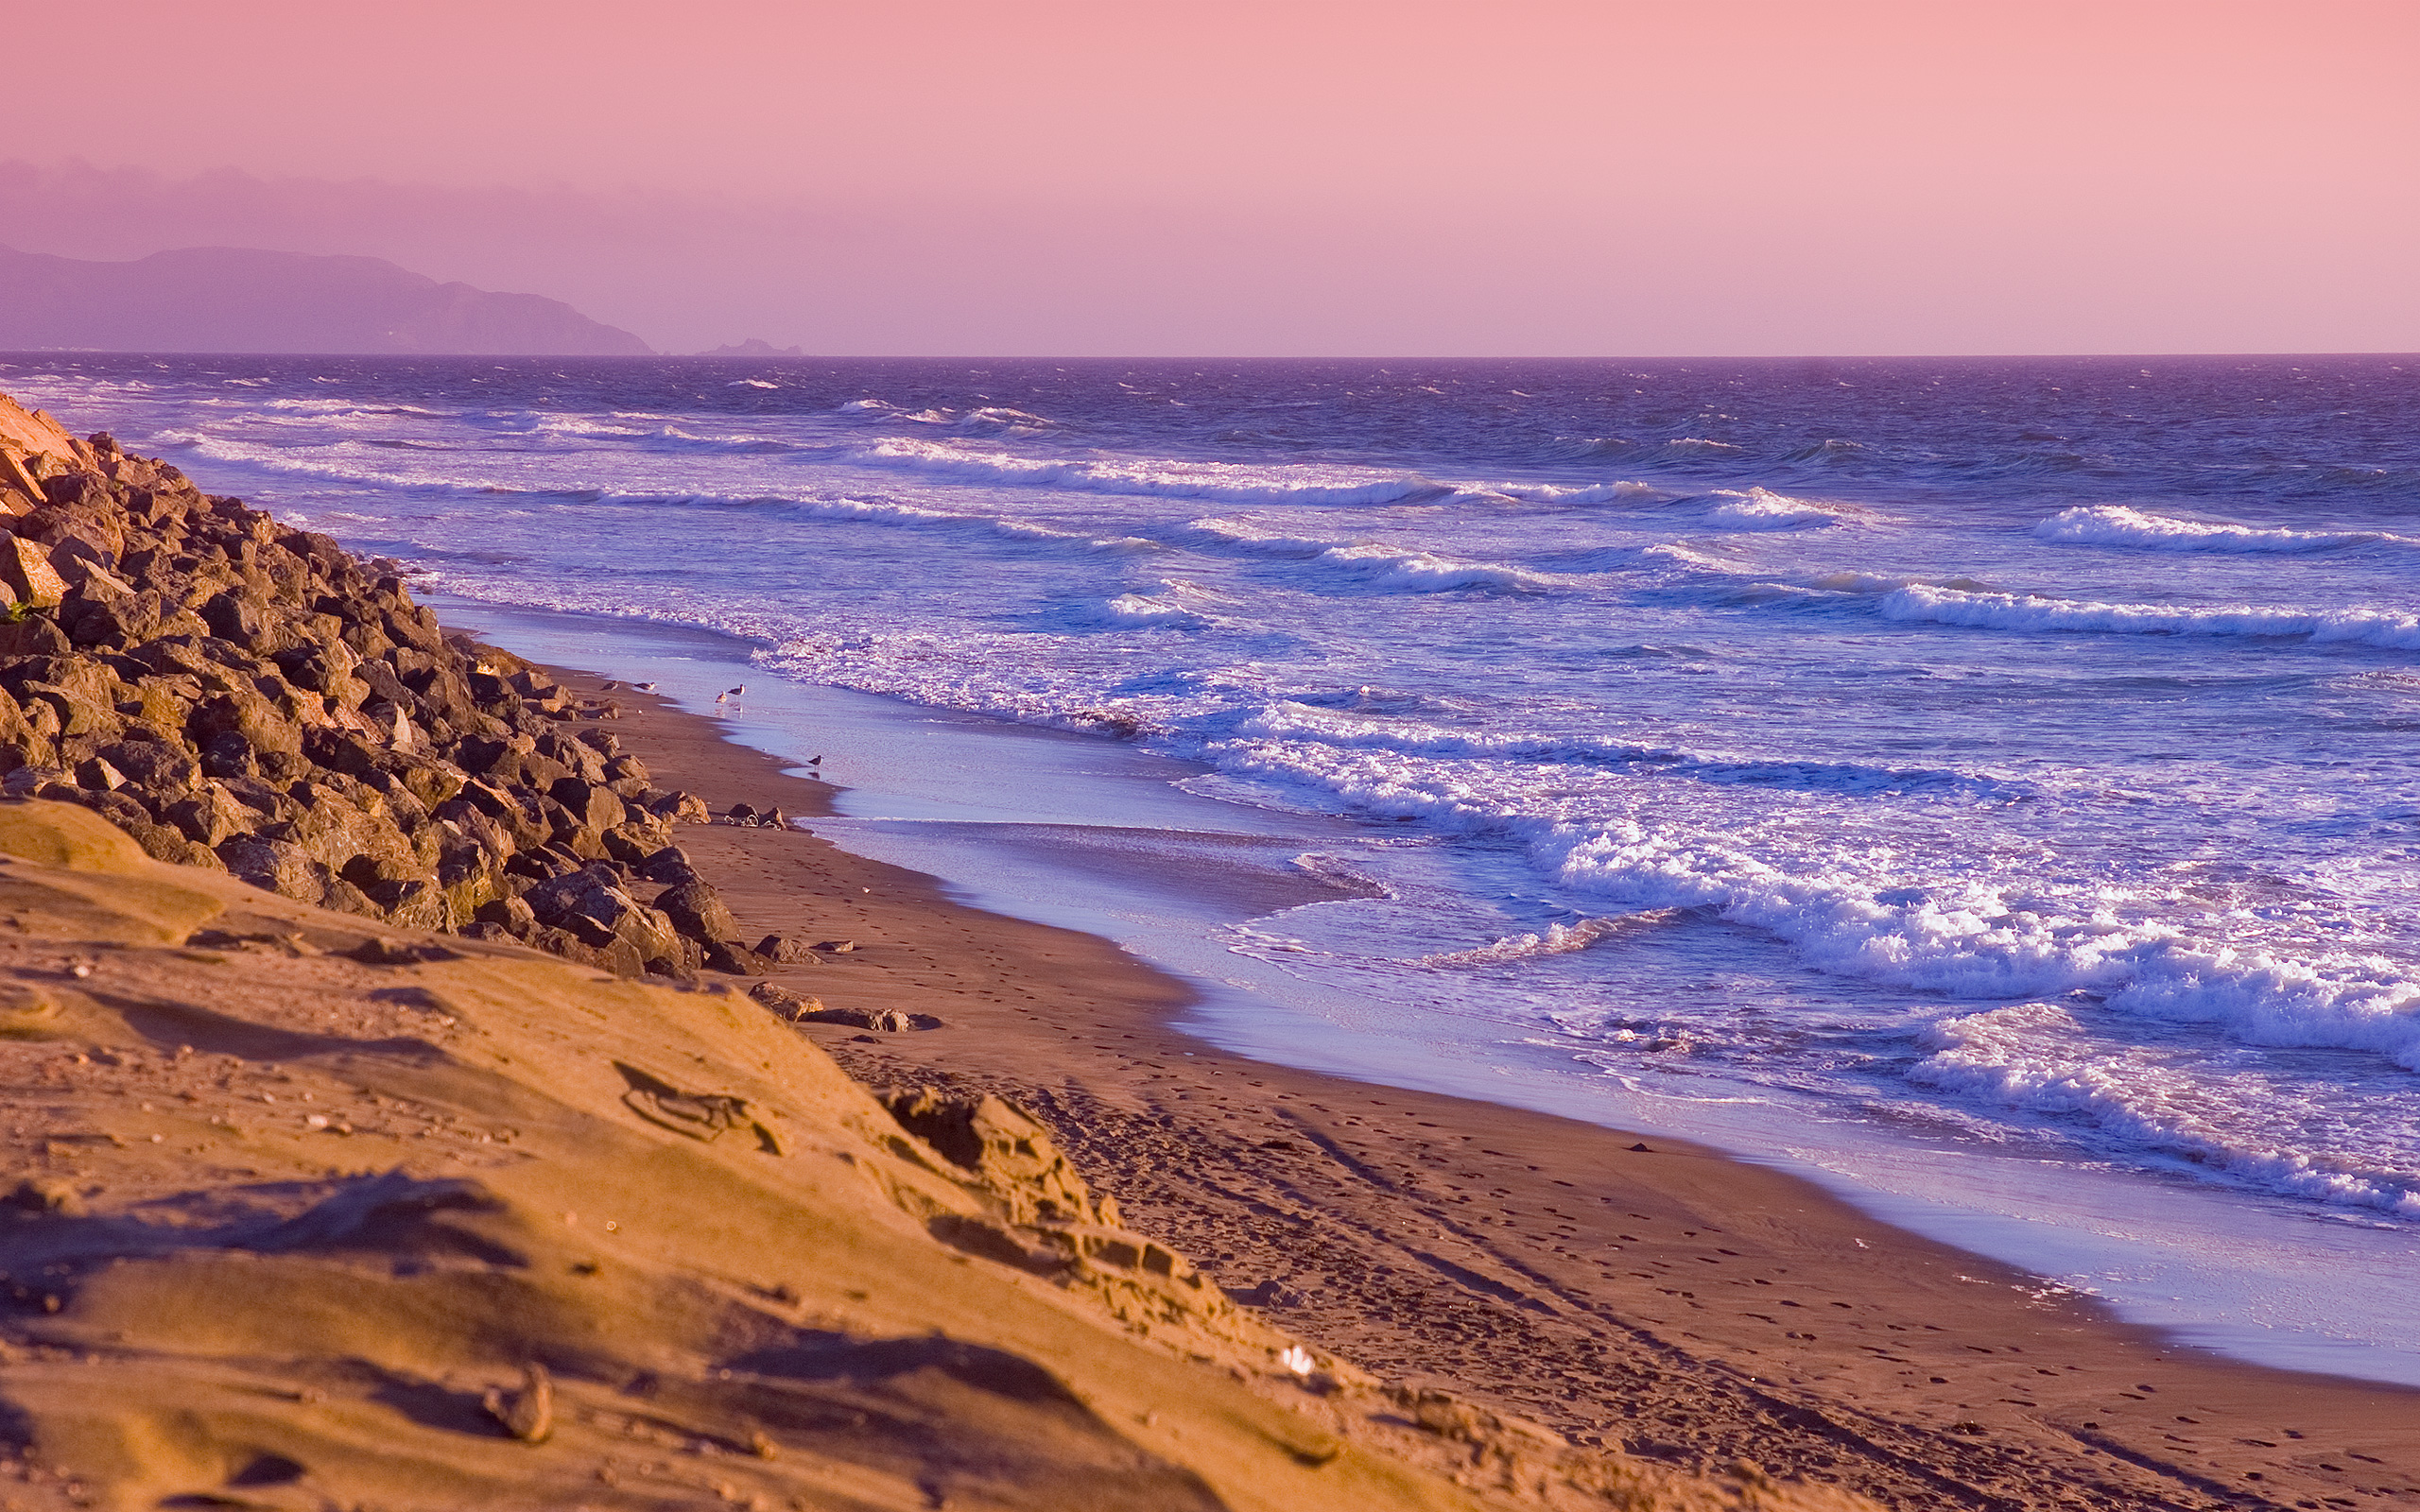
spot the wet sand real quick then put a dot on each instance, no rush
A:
(1638, 1291)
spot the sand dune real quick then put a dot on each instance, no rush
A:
(307, 1216)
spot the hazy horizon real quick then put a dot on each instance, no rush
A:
(1347, 179)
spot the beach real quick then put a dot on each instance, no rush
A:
(1666, 1300)
(1345, 991)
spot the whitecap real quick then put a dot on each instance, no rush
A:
(2118, 526)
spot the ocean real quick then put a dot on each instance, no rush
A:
(1999, 760)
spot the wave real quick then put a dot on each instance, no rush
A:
(1172, 605)
(1380, 566)
(1222, 482)
(1760, 509)
(2391, 630)
(1424, 573)
(1560, 493)
(351, 407)
(1290, 721)
(1559, 940)
(1839, 583)
(1961, 938)
(876, 511)
(2041, 1058)
(2117, 525)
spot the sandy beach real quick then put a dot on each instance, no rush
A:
(1646, 1295)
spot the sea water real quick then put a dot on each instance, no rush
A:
(1986, 761)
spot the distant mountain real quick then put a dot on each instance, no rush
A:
(238, 299)
(753, 347)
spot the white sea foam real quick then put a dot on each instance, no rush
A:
(2393, 629)
(1376, 564)
(1287, 721)
(1964, 937)
(1760, 509)
(2045, 1058)
(1560, 493)
(1172, 604)
(1423, 571)
(1557, 939)
(2118, 526)
(1225, 482)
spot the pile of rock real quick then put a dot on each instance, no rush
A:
(252, 698)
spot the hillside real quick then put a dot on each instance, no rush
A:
(234, 299)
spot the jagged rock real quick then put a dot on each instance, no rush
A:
(729, 955)
(786, 950)
(275, 865)
(595, 806)
(512, 915)
(697, 911)
(34, 635)
(210, 816)
(236, 695)
(669, 866)
(28, 575)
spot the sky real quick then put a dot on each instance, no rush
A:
(1344, 178)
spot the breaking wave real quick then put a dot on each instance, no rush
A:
(2392, 630)
(1221, 482)
(2114, 525)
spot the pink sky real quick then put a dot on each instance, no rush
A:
(1346, 178)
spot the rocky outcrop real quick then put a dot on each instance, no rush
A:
(250, 698)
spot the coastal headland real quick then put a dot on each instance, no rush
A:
(429, 1091)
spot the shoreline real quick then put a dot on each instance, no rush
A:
(1660, 1301)
(1106, 838)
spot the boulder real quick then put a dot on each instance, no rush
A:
(787, 950)
(730, 957)
(276, 865)
(27, 575)
(697, 911)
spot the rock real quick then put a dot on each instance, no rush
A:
(697, 911)
(380, 951)
(669, 864)
(275, 865)
(47, 1197)
(514, 915)
(1272, 1294)
(210, 816)
(786, 950)
(33, 635)
(529, 1413)
(730, 957)
(783, 1001)
(594, 805)
(590, 893)
(28, 575)
(412, 902)
(799, 1009)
